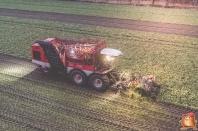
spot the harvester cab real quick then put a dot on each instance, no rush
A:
(85, 60)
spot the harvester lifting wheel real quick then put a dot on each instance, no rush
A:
(78, 77)
(99, 82)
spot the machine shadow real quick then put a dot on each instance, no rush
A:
(56, 79)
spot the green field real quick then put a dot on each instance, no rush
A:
(178, 16)
(31, 100)
(52, 103)
(173, 59)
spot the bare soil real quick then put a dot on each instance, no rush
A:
(166, 28)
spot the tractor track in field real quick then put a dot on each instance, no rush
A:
(119, 122)
(174, 112)
(177, 29)
(27, 120)
(74, 109)
(10, 60)
(30, 120)
(102, 118)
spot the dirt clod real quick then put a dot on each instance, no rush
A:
(134, 84)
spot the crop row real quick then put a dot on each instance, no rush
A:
(63, 89)
(187, 17)
(70, 96)
(109, 33)
(34, 76)
(104, 118)
(115, 36)
(35, 115)
(171, 58)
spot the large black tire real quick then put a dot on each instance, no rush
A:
(99, 82)
(77, 77)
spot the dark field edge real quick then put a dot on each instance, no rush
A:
(166, 28)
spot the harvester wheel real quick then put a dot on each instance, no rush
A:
(99, 82)
(78, 77)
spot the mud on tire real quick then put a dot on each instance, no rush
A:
(77, 77)
(99, 82)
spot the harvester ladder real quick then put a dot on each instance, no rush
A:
(51, 54)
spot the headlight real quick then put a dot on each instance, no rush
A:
(109, 58)
(72, 51)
